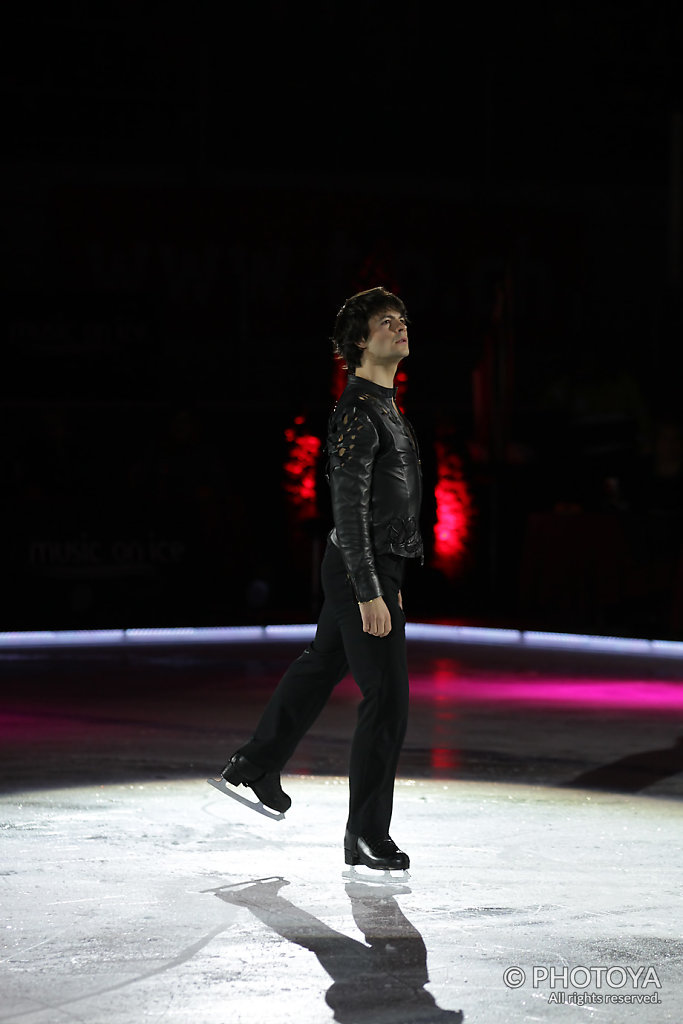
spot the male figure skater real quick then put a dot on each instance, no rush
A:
(375, 479)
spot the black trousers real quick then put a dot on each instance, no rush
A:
(379, 667)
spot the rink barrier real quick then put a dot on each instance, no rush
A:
(483, 635)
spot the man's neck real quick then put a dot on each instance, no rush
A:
(382, 375)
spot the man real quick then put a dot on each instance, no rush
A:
(375, 480)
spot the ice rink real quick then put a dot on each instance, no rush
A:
(539, 799)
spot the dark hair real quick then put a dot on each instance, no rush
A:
(351, 325)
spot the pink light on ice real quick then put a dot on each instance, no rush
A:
(550, 691)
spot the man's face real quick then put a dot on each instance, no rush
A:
(387, 338)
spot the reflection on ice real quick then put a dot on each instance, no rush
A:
(381, 981)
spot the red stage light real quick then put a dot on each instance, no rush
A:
(299, 470)
(454, 511)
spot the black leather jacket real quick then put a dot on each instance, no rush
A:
(375, 478)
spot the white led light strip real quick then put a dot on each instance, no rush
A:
(415, 631)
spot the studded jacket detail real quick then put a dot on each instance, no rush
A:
(375, 478)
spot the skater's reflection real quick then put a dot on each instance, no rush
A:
(381, 983)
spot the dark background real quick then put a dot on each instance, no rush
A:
(188, 198)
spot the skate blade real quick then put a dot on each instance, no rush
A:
(255, 805)
(376, 877)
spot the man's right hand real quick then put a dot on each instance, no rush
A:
(376, 617)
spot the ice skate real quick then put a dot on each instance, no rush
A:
(255, 805)
(380, 854)
(265, 785)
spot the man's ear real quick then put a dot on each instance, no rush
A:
(363, 343)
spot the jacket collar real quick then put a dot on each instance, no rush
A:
(374, 389)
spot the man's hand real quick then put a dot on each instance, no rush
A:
(376, 617)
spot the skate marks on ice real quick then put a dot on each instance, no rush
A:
(381, 979)
(255, 805)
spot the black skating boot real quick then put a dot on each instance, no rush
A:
(266, 785)
(382, 853)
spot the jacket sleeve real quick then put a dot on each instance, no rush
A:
(352, 446)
